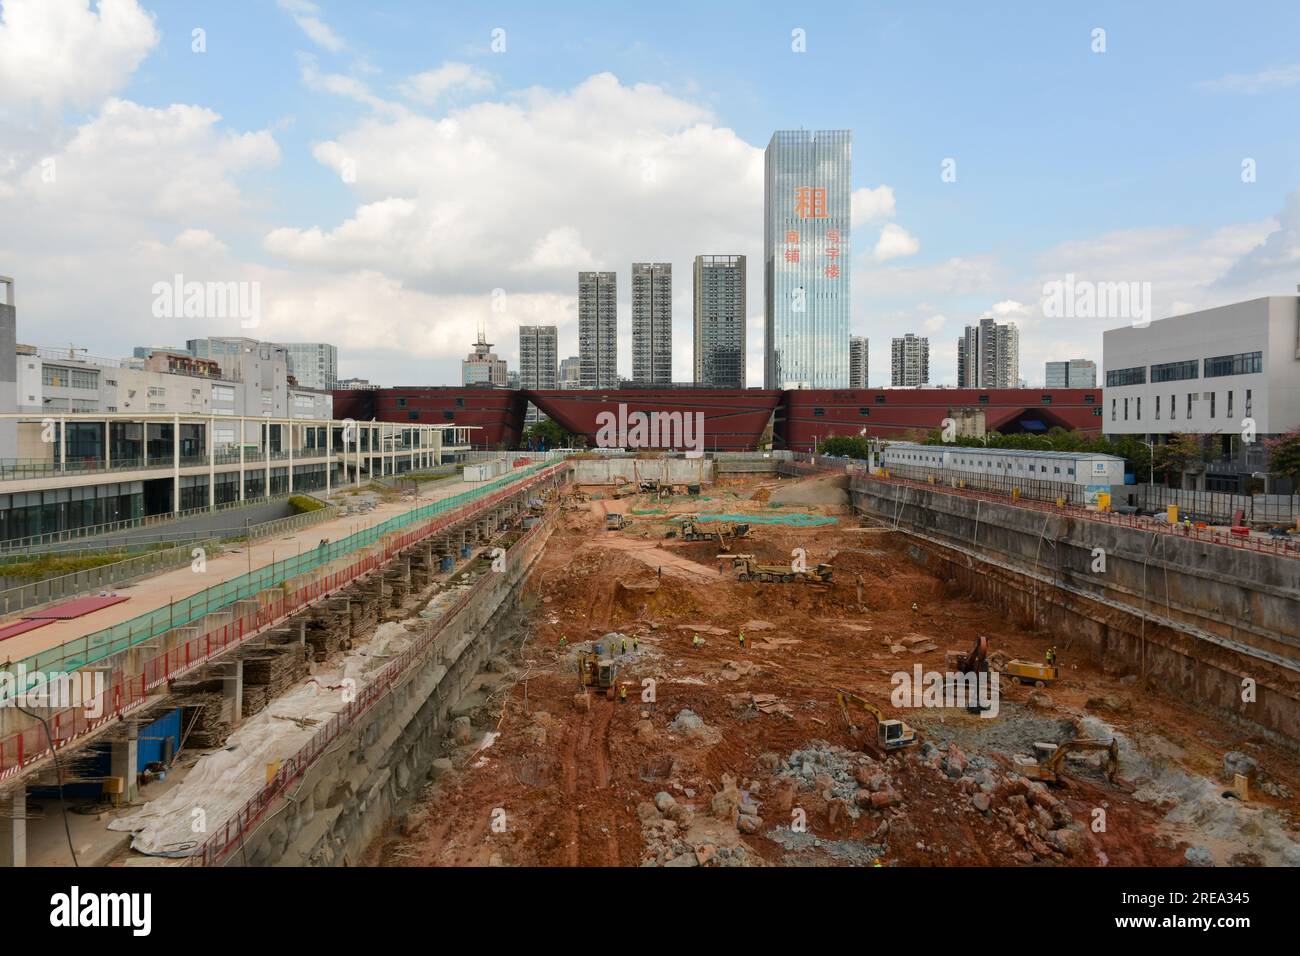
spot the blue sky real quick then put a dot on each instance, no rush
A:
(1124, 164)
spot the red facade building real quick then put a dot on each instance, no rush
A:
(733, 419)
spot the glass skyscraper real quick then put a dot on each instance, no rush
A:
(807, 207)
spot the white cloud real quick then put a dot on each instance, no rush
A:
(56, 53)
(430, 86)
(869, 205)
(895, 242)
(524, 193)
(1261, 82)
(307, 16)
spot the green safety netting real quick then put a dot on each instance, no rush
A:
(82, 651)
(793, 519)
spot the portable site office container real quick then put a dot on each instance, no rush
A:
(1075, 468)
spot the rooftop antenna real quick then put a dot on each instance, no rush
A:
(73, 350)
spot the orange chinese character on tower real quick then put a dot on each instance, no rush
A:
(833, 271)
(791, 236)
(810, 203)
(792, 255)
(832, 235)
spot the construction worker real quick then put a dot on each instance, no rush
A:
(564, 642)
(1187, 526)
(622, 646)
(622, 693)
(1050, 656)
(915, 608)
(696, 642)
(634, 644)
(742, 640)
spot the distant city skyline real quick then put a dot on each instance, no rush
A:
(320, 172)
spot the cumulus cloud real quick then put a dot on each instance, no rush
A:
(430, 86)
(895, 242)
(58, 53)
(869, 205)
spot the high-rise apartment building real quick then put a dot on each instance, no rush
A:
(858, 361)
(537, 356)
(719, 319)
(652, 323)
(598, 329)
(988, 356)
(1076, 373)
(807, 209)
(313, 364)
(570, 373)
(909, 365)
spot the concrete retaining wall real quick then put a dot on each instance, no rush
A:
(374, 771)
(1195, 618)
(610, 471)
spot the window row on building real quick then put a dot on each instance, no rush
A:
(1243, 363)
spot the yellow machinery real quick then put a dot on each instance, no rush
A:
(691, 531)
(1027, 672)
(891, 734)
(597, 673)
(1049, 770)
(750, 571)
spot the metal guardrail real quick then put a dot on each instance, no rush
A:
(232, 831)
(102, 644)
(128, 692)
(61, 587)
(126, 524)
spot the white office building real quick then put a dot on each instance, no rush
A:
(1231, 372)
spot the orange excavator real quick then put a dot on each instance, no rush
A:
(975, 661)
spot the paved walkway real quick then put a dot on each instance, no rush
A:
(162, 589)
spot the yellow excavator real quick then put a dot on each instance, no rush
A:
(1049, 770)
(597, 674)
(891, 734)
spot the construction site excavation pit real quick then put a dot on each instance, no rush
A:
(645, 706)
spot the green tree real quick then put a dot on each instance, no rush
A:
(1284, 455)
(547, 433)
(854, 447)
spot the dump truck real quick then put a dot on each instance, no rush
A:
(615, 522)
(1027, 672)
(1046, 764)
(691, 531)
(596, 673)
(748, 570)
(891, 735)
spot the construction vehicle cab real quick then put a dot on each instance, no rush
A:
(891, 734)
(615, 522)
(1048, 768)
(597, 673)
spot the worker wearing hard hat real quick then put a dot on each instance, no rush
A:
(697, 641)
(1050, 656)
